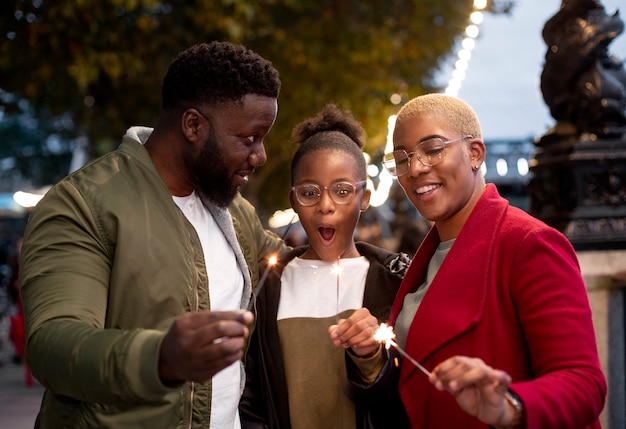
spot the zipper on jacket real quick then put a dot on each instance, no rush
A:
(196, 308)
(191, 392)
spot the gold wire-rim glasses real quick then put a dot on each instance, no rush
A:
(429, 153)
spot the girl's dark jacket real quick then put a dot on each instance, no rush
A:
(264, 403)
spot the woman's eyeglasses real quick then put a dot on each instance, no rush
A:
(309, 194)
(429, 152)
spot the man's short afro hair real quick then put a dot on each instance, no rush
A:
(210, 73)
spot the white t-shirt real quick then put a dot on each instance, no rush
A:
(225, 290)
(315, 294)
(315, 288)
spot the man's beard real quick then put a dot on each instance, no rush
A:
(211, 174)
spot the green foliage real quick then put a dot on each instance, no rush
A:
(102, 62)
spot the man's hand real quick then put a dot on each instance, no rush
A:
(198, 345)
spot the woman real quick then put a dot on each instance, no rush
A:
(494, 303)
(296, 377)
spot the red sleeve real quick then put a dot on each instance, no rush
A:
(569, 387)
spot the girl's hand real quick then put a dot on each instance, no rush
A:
(357, 333)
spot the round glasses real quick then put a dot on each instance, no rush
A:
(309, 194)
(429, 152)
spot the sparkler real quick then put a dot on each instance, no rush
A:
(385, 335)
(271, 261)
(336, 269)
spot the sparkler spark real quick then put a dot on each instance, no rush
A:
(336, 269)
(385, 335)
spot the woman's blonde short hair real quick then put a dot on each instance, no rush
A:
(456, 113)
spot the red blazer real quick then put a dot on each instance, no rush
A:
(510, 292)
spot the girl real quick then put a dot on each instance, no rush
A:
(296, 375)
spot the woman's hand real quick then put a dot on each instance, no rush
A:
(479, 389)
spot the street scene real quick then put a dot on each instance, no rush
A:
(355, 214)
(19, 402)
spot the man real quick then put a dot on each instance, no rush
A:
(135, 267)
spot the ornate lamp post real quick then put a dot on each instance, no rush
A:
(579, 169)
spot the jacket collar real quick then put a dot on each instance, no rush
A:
(468, 259)
(132, 143)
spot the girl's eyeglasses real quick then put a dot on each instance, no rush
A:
(309, 194)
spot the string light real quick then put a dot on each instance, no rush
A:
(467, 45)
(29, 199)
(380, 193)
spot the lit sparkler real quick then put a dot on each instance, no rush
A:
(336, 270)
(385, 335)
(271, 261)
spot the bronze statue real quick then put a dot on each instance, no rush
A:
(584, 85)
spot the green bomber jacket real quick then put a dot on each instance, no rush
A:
(108, 262)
